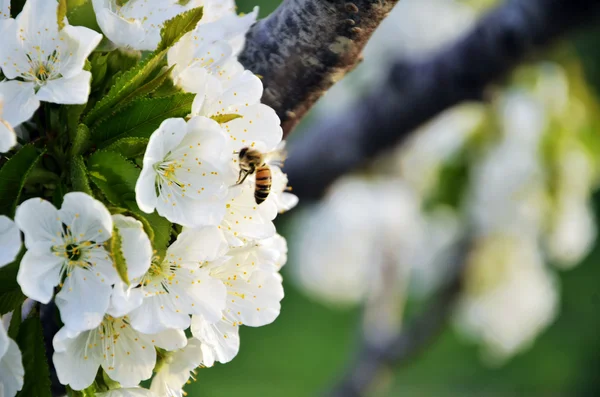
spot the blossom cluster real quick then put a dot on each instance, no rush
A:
(142, 235)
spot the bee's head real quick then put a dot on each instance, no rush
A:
(242, 152)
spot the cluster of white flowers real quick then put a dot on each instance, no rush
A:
(221, 272)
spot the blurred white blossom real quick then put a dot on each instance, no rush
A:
(510, 296)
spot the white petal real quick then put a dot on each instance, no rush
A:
(8, 138)
(4, 9)
(87, 218)
(171, 339)
(222, 337)
(75, 365)
(10, 240)
(136, 245)
(122, 32)
(3, 340)
(247, 220)
(39, 273)
(68, 91)
(19, 101)
(199, 245)
(158, 313)
(145, 190)
(39, 221)
(256, 302)
(174, 374)
(83, 300)
(11, 370)
(133, 357)
(124, 300)
(82, 42)
(258, 124)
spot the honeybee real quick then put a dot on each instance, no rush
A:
(252, 161)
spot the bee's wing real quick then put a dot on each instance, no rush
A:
(277, 157)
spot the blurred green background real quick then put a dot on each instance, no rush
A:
(309, 345)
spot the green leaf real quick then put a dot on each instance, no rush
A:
(81, 13)
(157, 228)
(129, 147)
(116, 244)
(225, 118)
(114, 175)
(132, 79)
(87, 392)
(33, 350)
(149, 87)
(141, 118)
(79, 177)
(127, 83)
(8, 276)
(72, 113)
(15, 323)
(176, 27)
(11, 301)
(13, 176)
(81, 140)
(61, 13)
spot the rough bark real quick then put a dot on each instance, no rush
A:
(305, 46)
(413, 93)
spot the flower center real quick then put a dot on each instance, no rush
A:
(73, 252)
(42, 69)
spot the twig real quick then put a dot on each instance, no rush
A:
(414, 338)
(305, 46)
(415, 92)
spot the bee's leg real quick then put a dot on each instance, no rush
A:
(242, 177)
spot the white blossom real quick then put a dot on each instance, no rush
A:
(11, 365)
(47, 61)
(125, 354)
(219, 341)
(64, 247)
(177, 369)
(572, 228)
(177, 286)
(10, 240)
(185, 174)
(258, 125)
(343, 244)
(8, 138)
(204, 59)
(246, 221)
(510, 297)
(137, 23)
(507, 185)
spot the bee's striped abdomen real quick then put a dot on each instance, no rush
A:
(263, 184)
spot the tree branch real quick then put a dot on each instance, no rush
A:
(415, 92)
(412, 340)
(305, 46)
